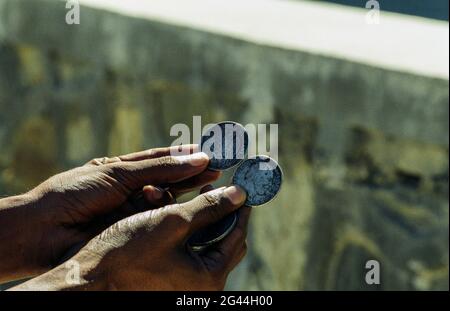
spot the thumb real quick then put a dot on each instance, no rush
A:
(206, 209)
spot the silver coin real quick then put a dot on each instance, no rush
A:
(260, 177)
(226, 144)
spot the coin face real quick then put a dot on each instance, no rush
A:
(226, 144)
(261, 177)
(213, 233)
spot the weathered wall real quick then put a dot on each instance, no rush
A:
(364, 150)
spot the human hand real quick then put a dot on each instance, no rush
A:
(148, 251)
(69, 209)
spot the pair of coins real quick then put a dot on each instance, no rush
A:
(226, 144)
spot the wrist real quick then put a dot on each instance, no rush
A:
(80, 273)
(20, 233)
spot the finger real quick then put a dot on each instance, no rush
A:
(209, 207)
(195, 182)
(151, 197)
(160, 152)
(153, 194)
(147, 154)
(134, 175)
(157, 197)
(226, 254)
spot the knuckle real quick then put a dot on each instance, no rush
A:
(112, 160)
(211, 199)
(103, 161)
(177, 223)
(96, 161)
(167, 161)
(212, 206)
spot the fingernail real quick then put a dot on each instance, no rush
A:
(235, 194)
(155, 192)
(196, 159)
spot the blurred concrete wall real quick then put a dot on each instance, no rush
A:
(364, 149)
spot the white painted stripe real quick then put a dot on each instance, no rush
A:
(399, 42)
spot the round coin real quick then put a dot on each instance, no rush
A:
(226, 144)
(261, 177)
